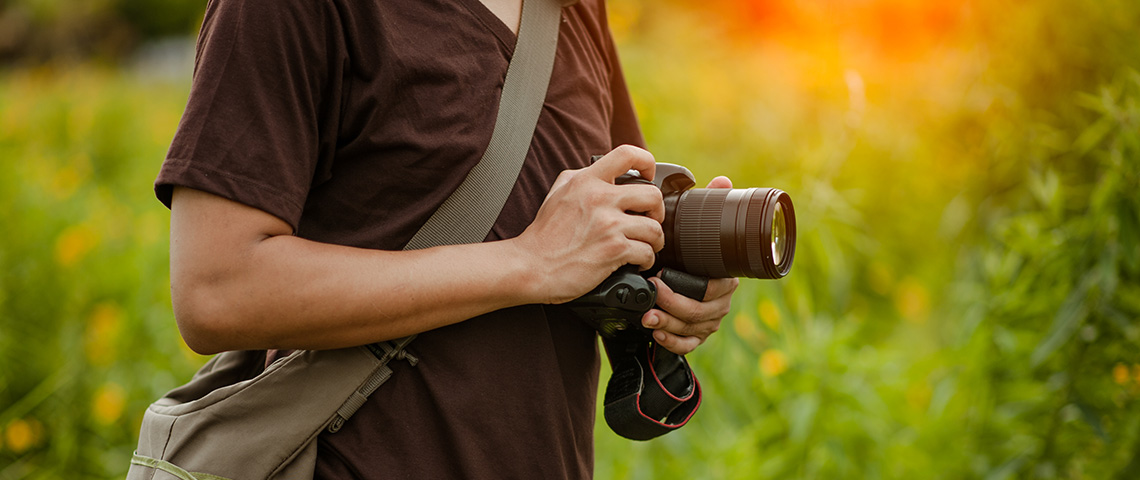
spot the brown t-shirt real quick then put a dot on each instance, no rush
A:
(353, 121)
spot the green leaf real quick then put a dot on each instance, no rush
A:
(1094, 134)
(1068, 319)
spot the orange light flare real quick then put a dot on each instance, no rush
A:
(900, 29)
(896, 72)
(892, 44)
(907, 55)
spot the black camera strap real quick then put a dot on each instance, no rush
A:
(651, 392)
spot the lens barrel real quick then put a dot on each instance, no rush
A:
(720, 232)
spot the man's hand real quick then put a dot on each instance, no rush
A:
(682, 323)
(584, 229)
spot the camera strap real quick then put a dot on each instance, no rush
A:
(651, 392)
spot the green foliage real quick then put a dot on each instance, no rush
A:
(965, 300)
(36, 31)
(963, 303)
(87, 338)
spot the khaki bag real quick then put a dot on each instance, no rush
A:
(225, 425)
(263, 427)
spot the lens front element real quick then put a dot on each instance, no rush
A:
(779, 236)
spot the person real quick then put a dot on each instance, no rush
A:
(320, 134)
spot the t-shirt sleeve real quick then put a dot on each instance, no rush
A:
(251, 131)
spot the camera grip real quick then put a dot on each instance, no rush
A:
(686, 284)
(614, 308)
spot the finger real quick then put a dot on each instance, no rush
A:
(720, 182)
(634, 241)
(720, 287)
(641, 254)
(642, 199)
(681, 345)
(676, 304)
(644, 230)
(621, 160)
(663, 321)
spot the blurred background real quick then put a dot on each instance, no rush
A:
(965, 300)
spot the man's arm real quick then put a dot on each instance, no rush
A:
(241, 280)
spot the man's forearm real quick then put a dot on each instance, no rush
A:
(232, 290)
(241, 280)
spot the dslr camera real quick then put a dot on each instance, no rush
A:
(709, 233)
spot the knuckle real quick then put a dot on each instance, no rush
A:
(566, 177)
(656, 193)
(626, 150)
(612, 249)
(688, 329)
(715, 327)
(695, 312)
(572, 178)
(610, 224)
(649, 253)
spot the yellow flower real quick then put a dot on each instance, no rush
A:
(769, 314)
(108, 404)
(102, 328)
(20, 435)
(74, 243)
(912, 300)
(1120, 374)
(773, 362)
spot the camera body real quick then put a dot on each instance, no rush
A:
(709, 233)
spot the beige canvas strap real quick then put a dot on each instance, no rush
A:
(469, 213)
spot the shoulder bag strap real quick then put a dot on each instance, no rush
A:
(469, 213)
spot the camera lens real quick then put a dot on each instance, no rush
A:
(719, 232)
